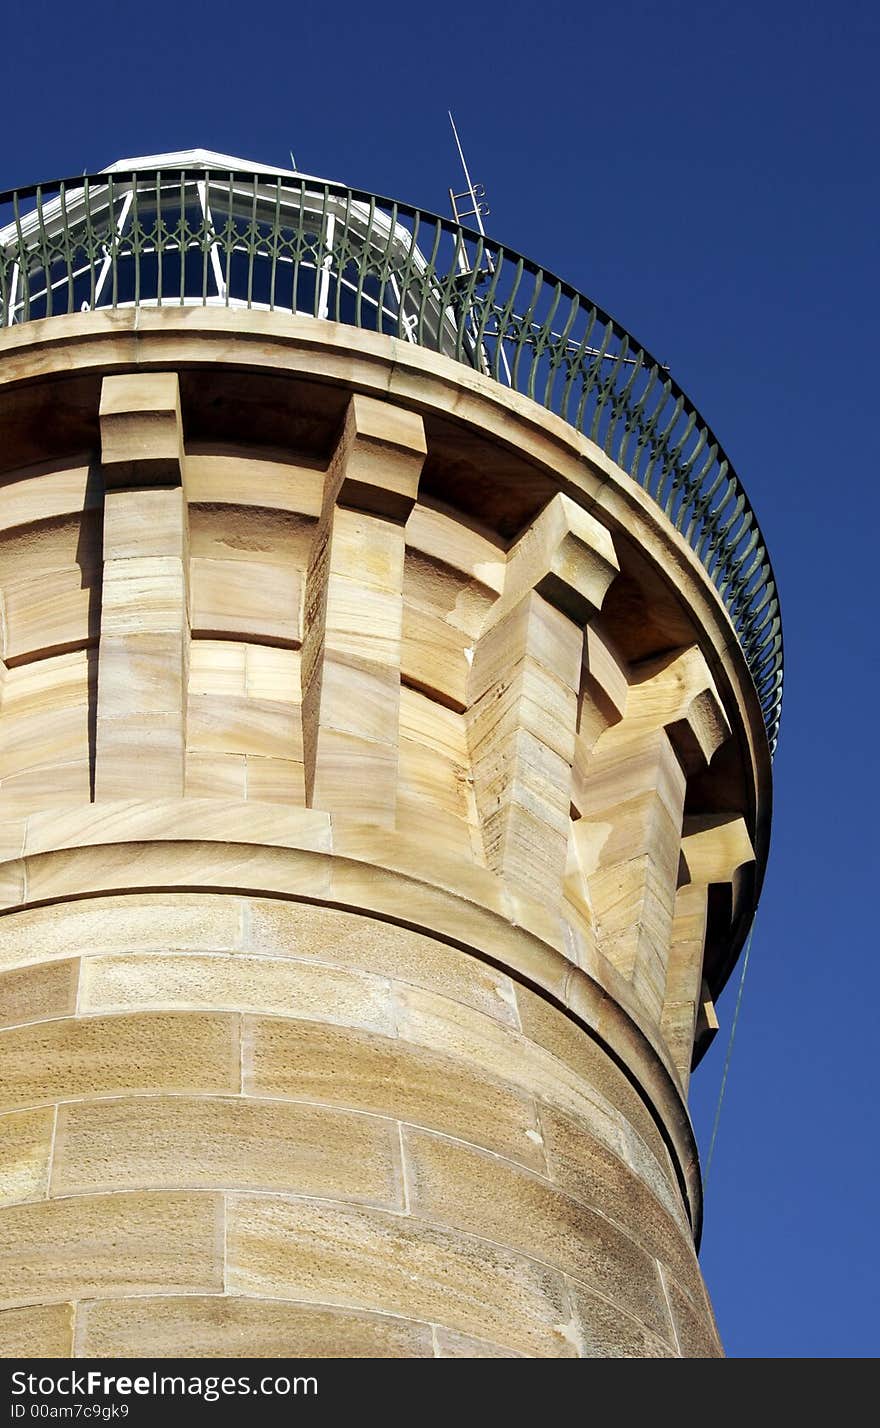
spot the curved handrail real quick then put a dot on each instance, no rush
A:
(302, 245)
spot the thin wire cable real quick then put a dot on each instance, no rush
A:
(739, 997)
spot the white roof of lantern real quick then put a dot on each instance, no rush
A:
(203, 159)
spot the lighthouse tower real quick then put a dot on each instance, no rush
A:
(391, 667)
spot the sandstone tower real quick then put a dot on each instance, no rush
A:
(390, 670)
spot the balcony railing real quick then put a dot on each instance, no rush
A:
(159, 238)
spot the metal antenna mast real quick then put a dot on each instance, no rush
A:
(475, 192)
(478, 210)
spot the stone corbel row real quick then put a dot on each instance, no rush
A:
(557, 726)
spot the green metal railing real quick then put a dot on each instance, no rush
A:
(159, 238)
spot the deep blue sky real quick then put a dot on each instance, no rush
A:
(707, 172)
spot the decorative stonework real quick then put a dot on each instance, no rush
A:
(368, 867)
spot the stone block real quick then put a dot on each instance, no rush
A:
(276, 781)
(234, 1327)
(136, 922)
(246, 598)
(277, 986)
(140, 675)
(50, 609)
(53, 786)
(216, 775)
(143, 596)
(141, 429)
(434, 657)
(694, 1324)
(273, 673)
(39, 992)
(327, 934)
(41, 1331)
(206, 1142)
(608, 1333)
(53, 737)
(236, 724)
(379, 459)
(139, 757)
(145, 522)
(25, 1154)
(354, 777)
(219, 667)
(107, 1056)
(93, 1245)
